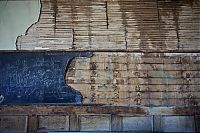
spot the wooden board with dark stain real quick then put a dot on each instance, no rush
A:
(36, 77)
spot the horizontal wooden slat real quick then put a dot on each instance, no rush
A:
(128, 79)
(125, 25)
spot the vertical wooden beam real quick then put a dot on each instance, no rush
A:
(32, 123)
(116, 123)
(74, 123)
(157, 123)
(107, 14)
(197, 123)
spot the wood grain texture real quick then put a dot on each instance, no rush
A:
(155, 25)
(118, 81)
(124, 78)
(129, 79)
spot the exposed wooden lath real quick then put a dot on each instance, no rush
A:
(107, 24)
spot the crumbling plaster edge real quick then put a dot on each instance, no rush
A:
(27, 30)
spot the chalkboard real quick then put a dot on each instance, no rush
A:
(37, 77)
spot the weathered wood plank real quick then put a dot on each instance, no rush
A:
(128, 79)
(116, 123)
(106, 24)
(94, 109)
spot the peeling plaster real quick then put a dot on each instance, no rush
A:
(15, 17)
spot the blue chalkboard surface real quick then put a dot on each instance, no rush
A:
(37, 77)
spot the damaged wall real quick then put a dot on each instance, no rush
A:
(129, 79)
(145, 54)
(15, 17)
(115, 25)
(124, 78)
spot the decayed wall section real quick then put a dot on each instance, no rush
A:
(116, 75)
(115, 24)
(125, 78)
(129, 79)
(121, 78)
